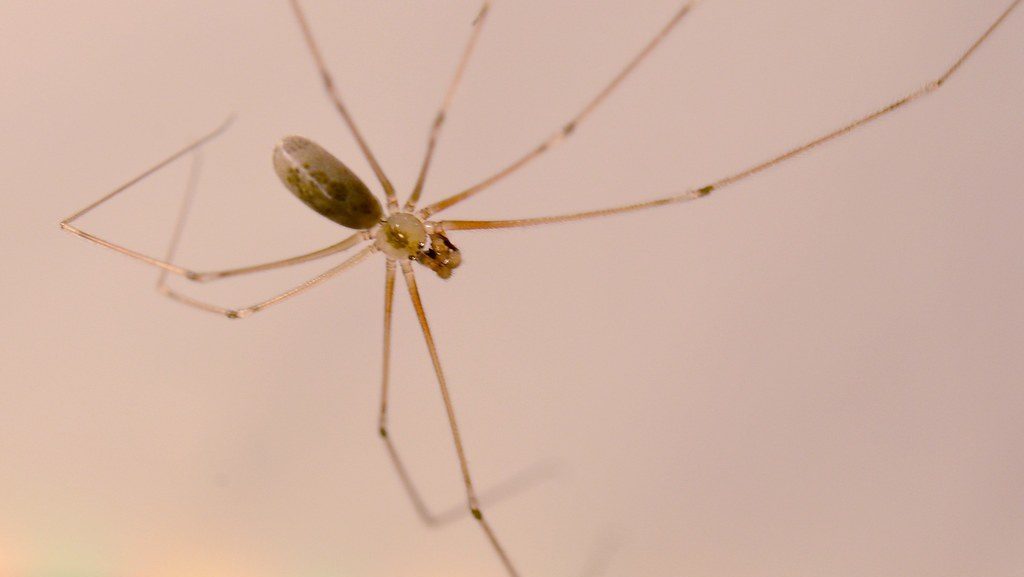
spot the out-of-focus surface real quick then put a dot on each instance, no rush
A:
(814, 372)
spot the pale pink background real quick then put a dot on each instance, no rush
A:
(815, 372)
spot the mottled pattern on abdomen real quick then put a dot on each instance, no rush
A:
(324, 184)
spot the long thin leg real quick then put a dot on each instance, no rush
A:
(194, 145)
(349, 242)
(426, 515)
(568, 128)
(382, 423)
(389, 299)
(442, 113)
(705, 190)
(179, 225)
(242, 313)
(471, 496)
(335, 96)
(166, 263)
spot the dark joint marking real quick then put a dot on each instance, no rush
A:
(232, 315)
(383, 432)
(895, 105)
(569, 128)
(483, 12)
(477, 514)
(706, 190)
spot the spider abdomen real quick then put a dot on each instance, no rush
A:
(325, 184)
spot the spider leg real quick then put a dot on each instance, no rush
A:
(166, 265)
(471, 497)
(435, 129)
(695, 193)
(382, 423)
(428, 517)
(186, 206)
(240, 313)
(335, 96)
(568, 128)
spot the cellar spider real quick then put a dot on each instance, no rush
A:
(406, 233)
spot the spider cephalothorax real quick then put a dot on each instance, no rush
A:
(404, 236)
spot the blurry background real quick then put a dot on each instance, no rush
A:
(814, 372)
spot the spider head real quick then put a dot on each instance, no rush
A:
(405, 236)
(440, 255)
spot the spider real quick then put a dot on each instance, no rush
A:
(408, 235)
